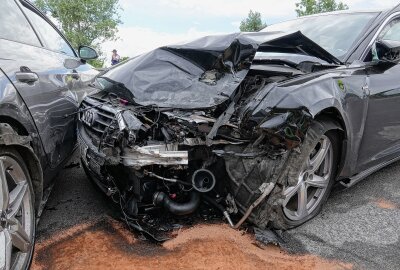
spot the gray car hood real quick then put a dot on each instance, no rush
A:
(202, 73)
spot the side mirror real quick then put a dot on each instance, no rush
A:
(387, 50)
(87, 53)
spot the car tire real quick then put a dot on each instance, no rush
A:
(18, 223)
(313, 177)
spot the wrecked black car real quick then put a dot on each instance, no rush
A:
(259, 125)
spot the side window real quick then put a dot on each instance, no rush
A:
(14, 26)
(391, 31)
(49, 36)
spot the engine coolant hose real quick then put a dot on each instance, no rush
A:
(179, 209)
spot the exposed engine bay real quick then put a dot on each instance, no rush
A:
(154, 153)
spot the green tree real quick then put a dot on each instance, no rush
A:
(97, 63)
(309, 7)
(252, 23)
(124, 58)
(84, 22)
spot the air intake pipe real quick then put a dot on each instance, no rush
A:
(179, 209)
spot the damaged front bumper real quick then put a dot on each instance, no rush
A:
(146, 175)
(138, 181)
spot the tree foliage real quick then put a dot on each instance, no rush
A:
(124, 58)
(252, 23)
(84, 22)
(97, 63)
(309, 7)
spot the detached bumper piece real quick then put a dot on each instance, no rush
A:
(139, 157)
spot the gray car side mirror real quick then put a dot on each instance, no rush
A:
(387, 50)
(87, 53)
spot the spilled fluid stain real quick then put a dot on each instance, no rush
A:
(107, 244)
(385, 204)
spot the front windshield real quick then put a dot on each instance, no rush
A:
(336, 33)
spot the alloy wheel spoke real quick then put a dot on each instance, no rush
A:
(5, 250)
(319, 157)
(318, 181)
(302, 201)
(16, 197)
(4, 200)
(289, 193)
(19, 237)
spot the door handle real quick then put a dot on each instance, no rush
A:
(26, 77)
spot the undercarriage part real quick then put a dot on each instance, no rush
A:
(220, 208)
(248, 174)
(266, 191)
(172, 180)
(179, 209)
(203, 180)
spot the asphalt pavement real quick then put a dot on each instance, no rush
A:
(359, 225)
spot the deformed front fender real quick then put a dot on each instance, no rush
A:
(8, 137)
(341, 91)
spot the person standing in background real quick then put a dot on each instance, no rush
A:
(115, 58)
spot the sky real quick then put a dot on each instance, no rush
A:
(153, 23)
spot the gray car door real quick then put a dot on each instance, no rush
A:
(381, 137)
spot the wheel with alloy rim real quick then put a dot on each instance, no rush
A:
(313, 181)
(310, 175)
(17, 215)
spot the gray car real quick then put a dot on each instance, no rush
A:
(41, 82)
(260, 125)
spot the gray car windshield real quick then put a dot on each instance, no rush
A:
(336, 33)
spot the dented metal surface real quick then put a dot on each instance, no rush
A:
(179, 76)
(214, 113)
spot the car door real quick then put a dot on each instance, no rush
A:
(46, 73)
(381, 137)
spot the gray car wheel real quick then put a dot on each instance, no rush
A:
(304, 198)
(17, 214)
(312, 173)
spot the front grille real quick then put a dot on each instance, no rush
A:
(101, 123)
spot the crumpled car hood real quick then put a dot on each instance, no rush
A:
(202, 73)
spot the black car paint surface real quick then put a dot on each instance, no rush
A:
(209, 79)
